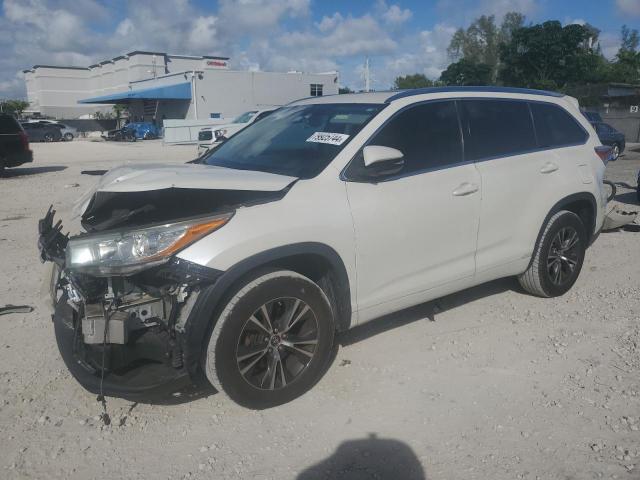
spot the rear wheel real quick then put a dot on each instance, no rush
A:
(558, 257)
(271, 341)
(2, 167)
(48, 137)
(615, 151)
(68, 137)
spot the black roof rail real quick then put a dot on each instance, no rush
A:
(422, 91)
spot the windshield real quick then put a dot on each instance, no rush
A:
(298, 141)
(244, 118)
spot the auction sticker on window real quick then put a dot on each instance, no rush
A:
(327, 137)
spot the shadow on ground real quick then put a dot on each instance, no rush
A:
(426, 310)
(24, 172)
(368, 458)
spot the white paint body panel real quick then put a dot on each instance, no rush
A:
(409, 240)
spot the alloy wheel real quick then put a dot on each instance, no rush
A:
(277, 343)
(563, 255)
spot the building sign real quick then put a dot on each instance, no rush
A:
(216, 63)
(633, 108)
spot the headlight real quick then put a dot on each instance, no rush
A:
(220, 133)
(134, 250)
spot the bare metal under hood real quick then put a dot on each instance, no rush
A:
(140, 194)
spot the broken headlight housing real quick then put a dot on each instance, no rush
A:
(127, 252)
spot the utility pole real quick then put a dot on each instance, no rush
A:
(367, 75)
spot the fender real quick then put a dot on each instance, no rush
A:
(213, 298)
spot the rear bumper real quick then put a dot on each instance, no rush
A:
(17, 159)
(143, 382)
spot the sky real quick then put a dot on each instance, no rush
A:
(399, 36)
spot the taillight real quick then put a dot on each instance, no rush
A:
(605, 153)
(25, 141)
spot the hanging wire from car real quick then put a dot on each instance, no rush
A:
(104, 416)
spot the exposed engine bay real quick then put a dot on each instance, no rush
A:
(122, 299)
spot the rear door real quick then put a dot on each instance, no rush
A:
(10, 141)
(523, 175)
(415, 230)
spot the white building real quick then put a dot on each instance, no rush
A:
(157, 86)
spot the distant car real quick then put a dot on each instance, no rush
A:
(209, 137)
(611, 137)
(143, 130)
(42, 132)
(68, 133)
(14, 144)
(592, 116)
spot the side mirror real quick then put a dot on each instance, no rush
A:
(380, 161)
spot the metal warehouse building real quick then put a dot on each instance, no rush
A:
(157, 86)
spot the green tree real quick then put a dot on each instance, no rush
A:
(14, 107)
(466, 72)
(417, 80)
(626, 67)
(344, 90)
(549, 56)
(480, 42)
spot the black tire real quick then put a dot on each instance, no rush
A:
(48, 137)
(2, 167)
(68, 137)
(616, 151)
(260, 367)
(553, 271)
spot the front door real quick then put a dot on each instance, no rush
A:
(415, 230)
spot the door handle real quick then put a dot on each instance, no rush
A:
(549, 167)
(465, 188)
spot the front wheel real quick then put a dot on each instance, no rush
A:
(68, 137)
(272, 341)
(558, 257)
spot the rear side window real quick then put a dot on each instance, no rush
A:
(555, 127)
(428, 135)
(8, 125)
(495, 128)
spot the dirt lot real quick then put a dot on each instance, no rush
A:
(497, 384)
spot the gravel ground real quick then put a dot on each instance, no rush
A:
(489, 383)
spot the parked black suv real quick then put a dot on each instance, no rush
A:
(14, 144)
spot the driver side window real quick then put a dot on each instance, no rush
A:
(428, 135)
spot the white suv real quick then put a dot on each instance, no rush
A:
(330, 212)
(210, 137)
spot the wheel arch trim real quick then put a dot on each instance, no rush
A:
(211, 299)
(568, 200)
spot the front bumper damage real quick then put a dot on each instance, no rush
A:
(126, 336)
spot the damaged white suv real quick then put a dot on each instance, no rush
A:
(328, 213)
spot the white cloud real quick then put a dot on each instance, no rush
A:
(609, 43)
(465, 11)
(629, 7)
(395, 15)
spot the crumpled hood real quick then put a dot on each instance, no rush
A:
(138, 195)
(158, 176)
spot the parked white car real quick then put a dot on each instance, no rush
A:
(329, 213)
(68, 133)
(210, 137)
